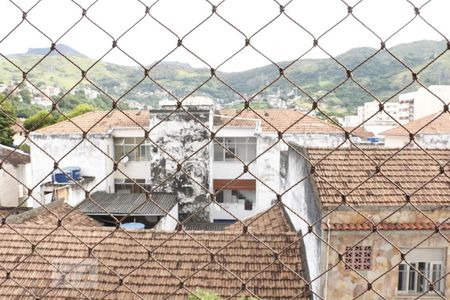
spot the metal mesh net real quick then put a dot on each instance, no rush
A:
(316, 213)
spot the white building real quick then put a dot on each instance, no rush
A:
(115, 156)
(374, 120)
(424, 102)
(250, 141)
(14, 176)
(432, 131)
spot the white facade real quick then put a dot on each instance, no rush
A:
(70, 151)
(374, 120)
(265, 169)
(169, 222)
(12, 191)
(425, 103)
(422, 103)
(93, 156)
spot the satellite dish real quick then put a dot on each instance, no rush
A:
(125, 159)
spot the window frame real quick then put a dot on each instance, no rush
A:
(233, 144)
(142, 148)
(416, 289)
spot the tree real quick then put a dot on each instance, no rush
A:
(7, 117)
(40, 119)
(80, 109)
(26, 95)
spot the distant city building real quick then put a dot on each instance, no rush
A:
(371, 119)
(432, 131)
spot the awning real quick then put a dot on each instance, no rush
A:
(239, 184)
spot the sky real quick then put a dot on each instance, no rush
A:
(215, 41)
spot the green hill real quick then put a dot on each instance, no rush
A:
(381, 74)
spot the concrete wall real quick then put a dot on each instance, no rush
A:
(426, 103)
(434, 141)
(303, 210)
(347, 284)
(268, 165)
(178, 137)
(439, 141)
(72, 151)
(169, 222)
(9, 186)
(395, 141)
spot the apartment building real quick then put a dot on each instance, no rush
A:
(123, 152)
(248, 148)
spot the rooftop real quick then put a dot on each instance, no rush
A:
(273, 120)
(410, 174)
(387, 226)
(99, 122)
(156, 204)
(271, 220)
(51, 213)
(13, 156)
(153, 265)
(432, 124)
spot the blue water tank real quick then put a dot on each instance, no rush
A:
(73, 172)
(66, 175)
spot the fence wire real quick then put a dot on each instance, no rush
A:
(351, 251)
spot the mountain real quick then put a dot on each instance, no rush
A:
(62, 48)
(378, 71)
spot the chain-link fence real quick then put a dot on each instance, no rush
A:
(210, 193)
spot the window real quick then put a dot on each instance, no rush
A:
(123, 146)
(127, 186)
(243, 148)
(424, 266)
(358, 258)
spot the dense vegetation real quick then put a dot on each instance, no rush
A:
(382, 76)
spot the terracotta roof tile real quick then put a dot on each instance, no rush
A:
(50, 214)
(271, 220)
(360, 132)
(100, 122)
(425, 125)
(277, 119)
(13, 156)
(173, 256)
(386, 226)
(352, 172)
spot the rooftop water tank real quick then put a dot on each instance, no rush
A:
(66, 175)
(133, 226)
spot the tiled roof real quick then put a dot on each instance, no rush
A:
(277, 119)
(360, 132)
(154, 265)
(271, 220)
(387, 226)
(132, 204)
(411, 173)
(51, 213)
(99, 122)
(425, 125)
(13, 156)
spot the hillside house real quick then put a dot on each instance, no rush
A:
(432, 131)
(385, 216)
(15, 176)
(256, 139)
